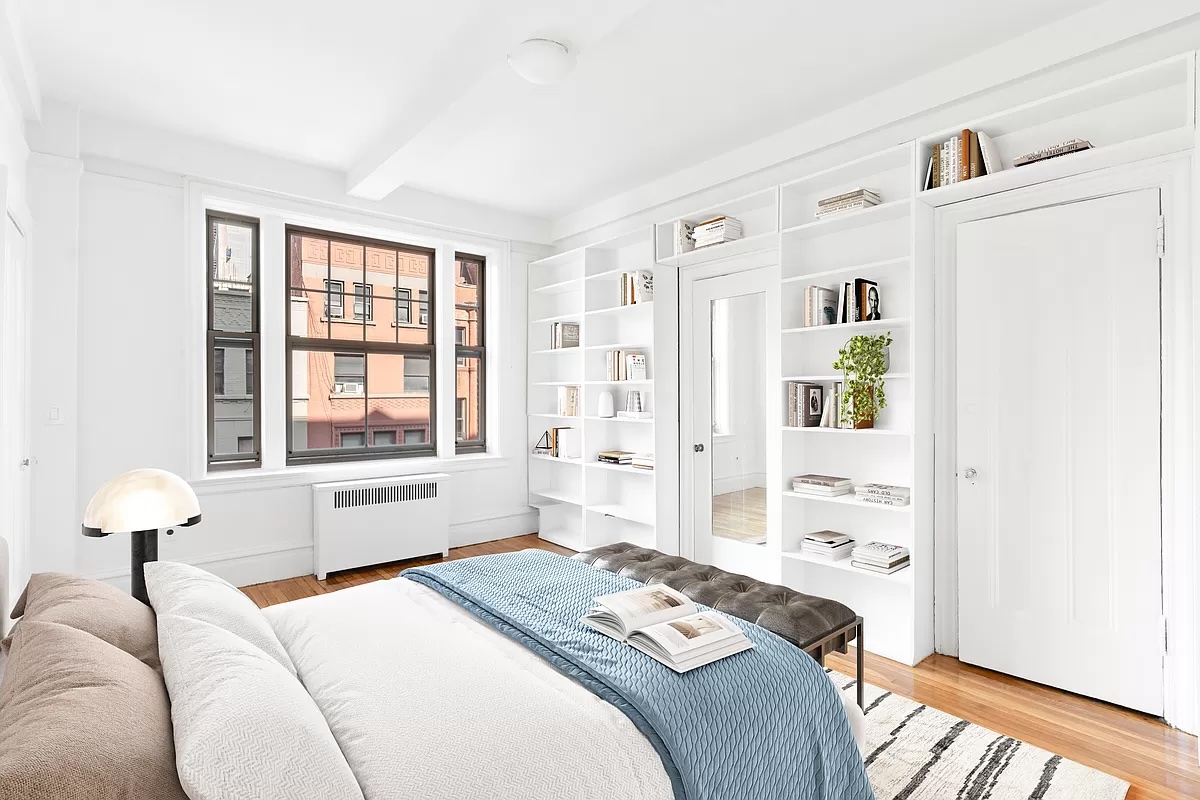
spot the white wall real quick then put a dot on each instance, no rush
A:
(740, 457)
(114, 350)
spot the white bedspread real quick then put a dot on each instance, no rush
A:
(427, 702)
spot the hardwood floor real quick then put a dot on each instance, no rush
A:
(1159, 762)
(741, 515)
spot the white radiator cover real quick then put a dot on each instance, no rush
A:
(360, 523)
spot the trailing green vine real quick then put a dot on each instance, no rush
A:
(863, 361)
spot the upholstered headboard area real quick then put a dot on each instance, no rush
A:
(806, 621)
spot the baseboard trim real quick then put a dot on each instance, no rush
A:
(263, 564)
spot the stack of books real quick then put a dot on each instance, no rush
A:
(568, 401)
(564, 334)
(717, 231)
(827, 545)
(564, 442)
(856, 199)
(805, 404)
(643, 461)
(821, 485)
(821, 306)
(615, 457)
(623, 366)
(970, 154)
(883, 494)
(637, 287)
(879, 557)
(1065, 149)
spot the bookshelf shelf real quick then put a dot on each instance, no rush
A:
(617, 309)
(583, 503)
(624, 512)
(884, 212)
(847, 431)
(853, 327)
(846, 499)
(903, 576)
(890, 376)
(861, 270)
(748, 244)
(625, 468)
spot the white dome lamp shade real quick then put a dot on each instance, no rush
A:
(140, 502)
(541, 61)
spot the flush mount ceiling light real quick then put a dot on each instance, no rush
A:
(541, 61)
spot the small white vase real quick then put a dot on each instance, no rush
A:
(607, 405)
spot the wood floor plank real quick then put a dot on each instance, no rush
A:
(1159, 762)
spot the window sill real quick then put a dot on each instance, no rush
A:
(255, 479)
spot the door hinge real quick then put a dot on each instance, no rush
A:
(1162, 236)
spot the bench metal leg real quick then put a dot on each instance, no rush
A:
(858, 649)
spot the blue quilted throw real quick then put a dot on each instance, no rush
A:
(764, 724)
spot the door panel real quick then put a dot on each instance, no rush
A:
(14, 417)
(1059, 504)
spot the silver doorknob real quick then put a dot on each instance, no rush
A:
(970, 473)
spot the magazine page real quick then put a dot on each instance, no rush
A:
(647, 605)
(693, 635)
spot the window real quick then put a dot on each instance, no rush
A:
(470, 353)
(219, 371)
(362, 301)
(403, 306)
(354, 385)
(234, 418)
(335, 292)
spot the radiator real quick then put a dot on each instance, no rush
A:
(360, 523)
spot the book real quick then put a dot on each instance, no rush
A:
(565, 442)
(882, 500)
(856, 193)
(945, 162)
(825, 481)
(826, 306)
(882, 490)
(1066, 148)
(642, 460)
(682, 240)
(568, 401)
(812, 396)
(644, 285)
(667, 626)
(564, 335)
(635, 367)
(935, 167)
(876, 568)
(826, 538)
(975, 163)
(964, 159)
(990, 154)
(837, 553)
(817, 491)
(880, 554)
(615, 456)
(851, 303)
(928, 175)
(867, 294)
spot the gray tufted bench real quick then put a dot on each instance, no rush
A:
(816, 625)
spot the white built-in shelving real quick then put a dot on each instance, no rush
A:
(1143, 114)
(585, 503)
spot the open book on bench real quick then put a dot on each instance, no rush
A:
(665, 625)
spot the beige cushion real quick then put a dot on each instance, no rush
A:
(187, 591)
(93, 606)
(82, 720)
(244, 726)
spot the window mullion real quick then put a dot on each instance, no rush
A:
(444, 298)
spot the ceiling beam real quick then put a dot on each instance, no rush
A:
(468, 80)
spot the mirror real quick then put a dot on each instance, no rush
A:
(739, 461)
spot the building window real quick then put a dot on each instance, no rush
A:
(403, 306)
(353, 385)
(234, 417)
(335, 291)
(470, 353)
(362, 301)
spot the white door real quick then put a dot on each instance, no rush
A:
(728, 402)
(1059, 503)
(14, 420)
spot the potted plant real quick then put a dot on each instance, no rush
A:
(863, 361)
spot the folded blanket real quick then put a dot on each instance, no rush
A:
(764, 724)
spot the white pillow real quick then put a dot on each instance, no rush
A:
(244, 727)
(188, 591)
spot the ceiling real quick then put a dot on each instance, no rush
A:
(417, 94)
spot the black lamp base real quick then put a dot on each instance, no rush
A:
(143, 547)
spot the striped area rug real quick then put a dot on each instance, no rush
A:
(915, 752)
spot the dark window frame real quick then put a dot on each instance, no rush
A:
(329, 295)
(478, 351)
(405, 303)
(364, 347)
(363, 297)
(243, 339)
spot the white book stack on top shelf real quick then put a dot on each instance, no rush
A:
(612, 291)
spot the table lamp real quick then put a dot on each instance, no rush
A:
(140, 502)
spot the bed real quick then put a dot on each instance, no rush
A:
(387, 690)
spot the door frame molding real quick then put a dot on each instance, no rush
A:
(687, 280)
(1172, 175)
